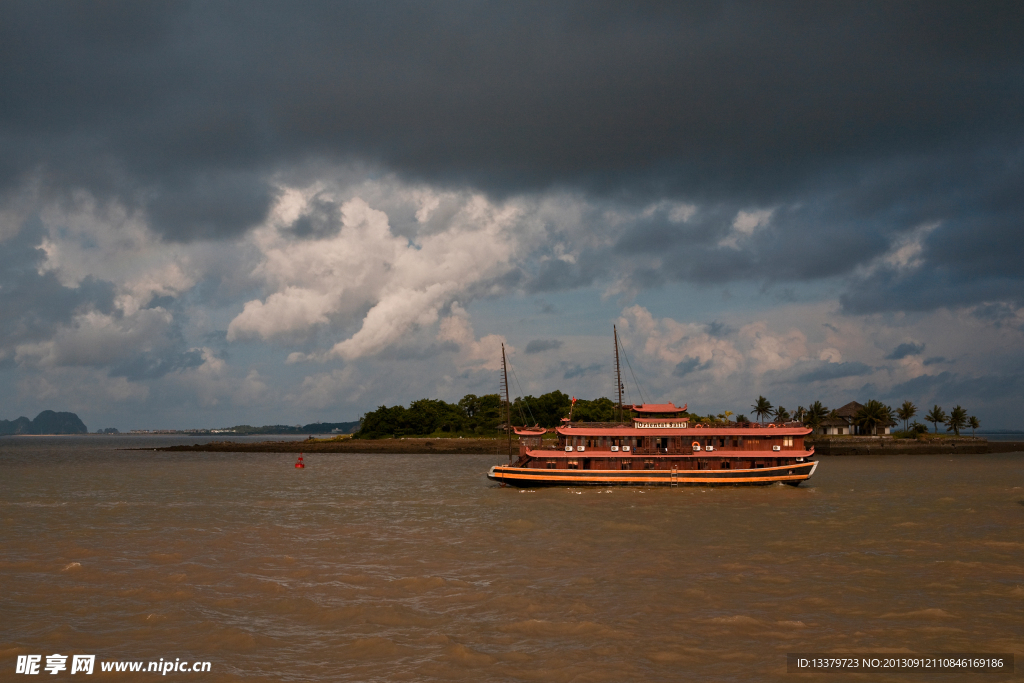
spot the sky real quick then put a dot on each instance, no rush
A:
(225, 213)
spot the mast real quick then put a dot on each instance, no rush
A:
(508, 403)
(618, 370)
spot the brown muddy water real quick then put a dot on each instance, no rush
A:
(416, 568)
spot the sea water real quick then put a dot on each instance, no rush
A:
(416, 568)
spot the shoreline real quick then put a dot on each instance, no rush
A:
(402, 446)
(441, 446)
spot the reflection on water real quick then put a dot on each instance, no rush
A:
(395, 567)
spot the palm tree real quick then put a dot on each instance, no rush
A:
(973, 423)
(906, 412)
(956, 421)
(799, 413)
(763, 408)
(872, 415)
(782, 415)
(815, 414)
(935, 416)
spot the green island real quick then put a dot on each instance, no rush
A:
(476, 424)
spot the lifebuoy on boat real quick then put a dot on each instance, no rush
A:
(695, 445)
(771, 426)
(698, 426)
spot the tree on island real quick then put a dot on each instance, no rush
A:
(799, 413)
(973, 423)
(872, 415)
(480, 415)
(906, 412)
(956, 421)
(763, 408)
(815, 415)
(547, 409)
(782, 415)
(474, 415)
(935, 416)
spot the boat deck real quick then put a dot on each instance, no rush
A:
(527, 477)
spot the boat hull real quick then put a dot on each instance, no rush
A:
(525, 477)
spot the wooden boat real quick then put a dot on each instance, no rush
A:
(658, 445)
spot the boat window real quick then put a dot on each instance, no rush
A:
(627, 464)
(648, 464)
(721, 442)
(726, 465)
(552, 464)
(574, 464)
(787, 441)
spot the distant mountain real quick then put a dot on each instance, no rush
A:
(46, 422)
(22, 425)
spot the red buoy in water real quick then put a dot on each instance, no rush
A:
(300, 464)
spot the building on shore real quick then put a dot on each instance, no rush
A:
(840, 422)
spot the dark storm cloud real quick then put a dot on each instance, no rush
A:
(719, 329)
(224, 204)
(949, 389)
(998, 314)
(541, 345)
(906, 349)
(578, 370)
(34, 305)
(688, 365)
(855, 121)
(322, 219)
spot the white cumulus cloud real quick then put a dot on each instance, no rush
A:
(365, 273)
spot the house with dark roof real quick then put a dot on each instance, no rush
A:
(841, 422)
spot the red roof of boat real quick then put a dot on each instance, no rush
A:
(581, 429)
(658, 408)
